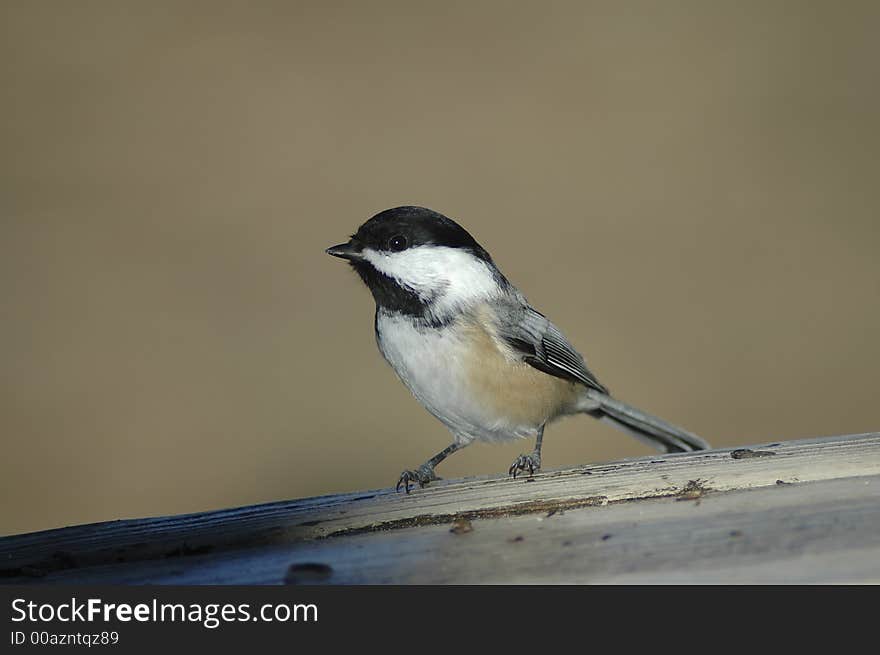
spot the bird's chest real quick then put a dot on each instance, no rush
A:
(431, 362)
(464, 377)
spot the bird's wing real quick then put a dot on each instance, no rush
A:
(543, 346)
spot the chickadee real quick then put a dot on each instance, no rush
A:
(469, 346)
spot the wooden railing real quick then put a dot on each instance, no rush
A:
(796, 511)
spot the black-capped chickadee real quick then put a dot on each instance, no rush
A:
(469, 346)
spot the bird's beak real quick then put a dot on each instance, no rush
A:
(351, 250)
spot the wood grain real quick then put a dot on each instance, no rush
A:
(690, 516)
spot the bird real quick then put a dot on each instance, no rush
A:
(470, 347)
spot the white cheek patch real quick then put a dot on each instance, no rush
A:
(445, 277)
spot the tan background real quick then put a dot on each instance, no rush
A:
(689, 189)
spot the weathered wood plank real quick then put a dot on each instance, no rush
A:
(285, 528)
(742, 536)
(814, 532)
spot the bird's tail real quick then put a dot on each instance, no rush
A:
(652, 430)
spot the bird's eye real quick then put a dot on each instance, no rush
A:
(397, 243)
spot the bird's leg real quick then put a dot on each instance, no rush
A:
(425, 473)
(531, 462)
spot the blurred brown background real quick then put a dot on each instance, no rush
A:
(690, 190)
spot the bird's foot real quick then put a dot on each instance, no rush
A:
(422, 476)
(530, 463)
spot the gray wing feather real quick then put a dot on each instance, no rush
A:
(543, 346)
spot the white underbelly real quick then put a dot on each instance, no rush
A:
(434, 363)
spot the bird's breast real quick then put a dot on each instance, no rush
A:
(469, 379)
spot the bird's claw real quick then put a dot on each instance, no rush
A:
(422, 476)
(530, 462)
